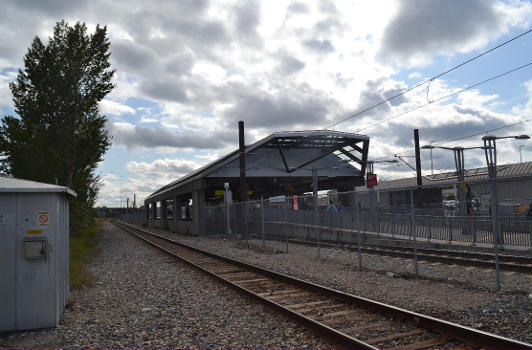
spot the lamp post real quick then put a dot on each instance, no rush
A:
(459, 163)
(490, 151)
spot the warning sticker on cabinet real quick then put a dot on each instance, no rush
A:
(43, 217)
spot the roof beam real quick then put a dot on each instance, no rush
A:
(351, 156)
(284, 159)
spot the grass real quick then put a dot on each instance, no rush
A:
(82, 248)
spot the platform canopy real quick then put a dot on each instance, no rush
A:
(283, 163)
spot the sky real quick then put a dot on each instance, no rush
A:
(188, 71)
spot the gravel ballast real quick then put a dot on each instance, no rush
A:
(145, 299)
(465, 295)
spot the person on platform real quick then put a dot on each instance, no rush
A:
(331, 208)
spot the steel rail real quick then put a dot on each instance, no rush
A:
(486, 340)
(514, 263)
(321, 329)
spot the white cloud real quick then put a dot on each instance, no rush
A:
(5, 92)
(169, 168)
(194, 68)
(109, 107)
(421, 29)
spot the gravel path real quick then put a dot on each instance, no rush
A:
(464, 295)
(144, 299)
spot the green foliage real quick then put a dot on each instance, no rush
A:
(451, 196)
(59, 135)
(82, 247)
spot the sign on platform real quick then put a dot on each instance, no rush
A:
(371, 180)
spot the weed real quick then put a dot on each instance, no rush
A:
(82, 248)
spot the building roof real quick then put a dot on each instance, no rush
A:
(450, 178)
(289, 154)
(8, 184)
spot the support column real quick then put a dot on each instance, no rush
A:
(175, 215)
(153, 213)
(198, 201)
(164, 220)
(147, 213)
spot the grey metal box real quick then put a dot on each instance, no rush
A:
(34, 254)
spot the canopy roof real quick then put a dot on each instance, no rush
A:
(289, 154)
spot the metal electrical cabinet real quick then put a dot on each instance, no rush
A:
(34, 253)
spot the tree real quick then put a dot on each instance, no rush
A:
(59, 135)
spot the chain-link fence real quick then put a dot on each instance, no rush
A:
(452, 217)
(411, 217)
(338, 216)
(136, 217)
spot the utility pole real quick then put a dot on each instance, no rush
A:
(419, 181)
(418, 157)
(243, 182)
(242, 154)
(431, 162)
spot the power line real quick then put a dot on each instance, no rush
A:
(445, 97)
(459, 138)
(428, 80)
(485, 132)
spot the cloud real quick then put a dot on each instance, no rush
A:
(293, 107)
(190, 69)
(319, 46)
(137, 137)
(132, 56)
(421, 29)
(172, 168)
(289, 65)
(5, 92)
(247, 19)
(109, 107)
(166, 90)
(297, 8)
(145, 178)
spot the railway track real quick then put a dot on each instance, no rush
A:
(346, 319)
(516, 263)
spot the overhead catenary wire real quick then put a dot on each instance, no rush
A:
(445, 97)
(428, 80)
(445, 142)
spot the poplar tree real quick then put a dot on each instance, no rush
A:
(58, 134)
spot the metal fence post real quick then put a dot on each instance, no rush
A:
(530, 236)
(393, 225)
(450, 229)
(330, 222)
(316, 205)
(286, 213)
(496, 247)
(413, 216)
(262, 220)
(474, 229)
(359, 243)
(430, 230)
(228, 218)
(246, 229)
